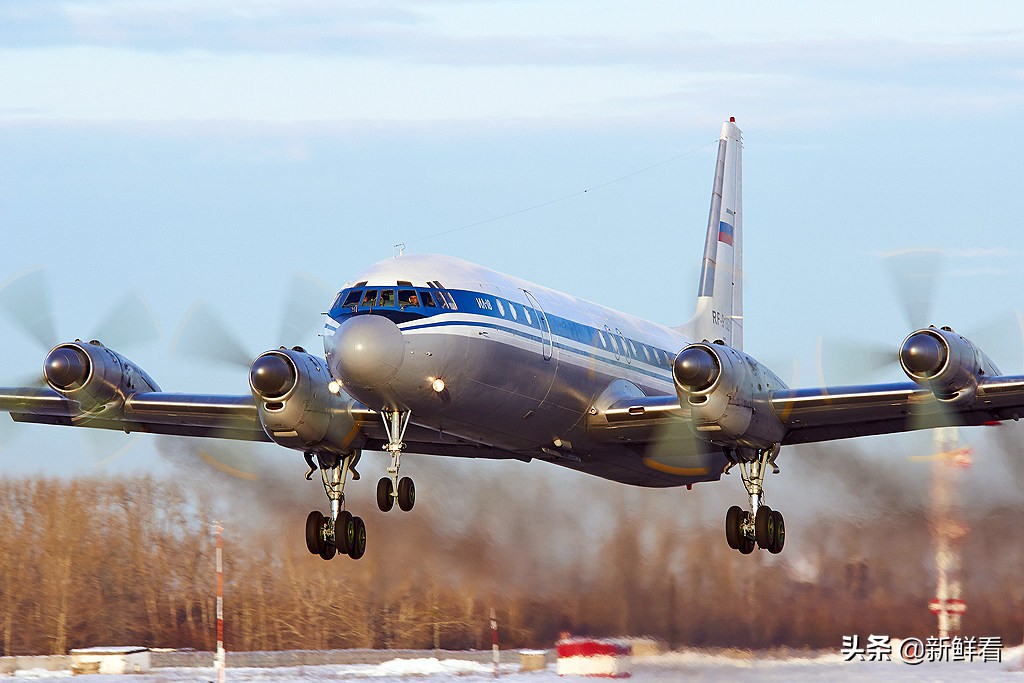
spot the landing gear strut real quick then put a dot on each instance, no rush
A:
(391, 487)
(340, 532)
(760, 526)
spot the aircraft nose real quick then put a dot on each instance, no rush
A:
(367, 351)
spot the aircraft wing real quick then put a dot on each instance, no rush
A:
(823, 414)
(210, 415)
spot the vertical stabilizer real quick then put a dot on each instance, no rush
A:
(719, 313)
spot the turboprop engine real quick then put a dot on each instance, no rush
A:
(93, 375)
(296, 406)
(944, 362)
(728, 394)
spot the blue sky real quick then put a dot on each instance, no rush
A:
(195, 150)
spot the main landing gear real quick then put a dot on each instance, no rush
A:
(341, 532)
(391, 487)
(760, 526)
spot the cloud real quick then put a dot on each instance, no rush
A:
(272, 61)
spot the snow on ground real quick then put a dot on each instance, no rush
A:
(666, 668)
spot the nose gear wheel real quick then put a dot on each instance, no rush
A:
(391, 488)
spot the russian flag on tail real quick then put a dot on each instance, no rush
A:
(725, 233)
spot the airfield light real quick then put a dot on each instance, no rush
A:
(437, 385)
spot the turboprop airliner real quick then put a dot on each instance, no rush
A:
(433, 355)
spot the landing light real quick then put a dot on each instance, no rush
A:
(334, 387)
(437, 385)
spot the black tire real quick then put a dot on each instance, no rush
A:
(733, 530)
(406, 494)
(343, 532)
(764, 527)
(328, 551)
(748, 546)
(314, 540)
(385, 494)
(358, 538)
(780, 533)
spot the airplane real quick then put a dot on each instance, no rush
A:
(434, 355)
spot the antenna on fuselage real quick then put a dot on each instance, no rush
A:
(399, 249)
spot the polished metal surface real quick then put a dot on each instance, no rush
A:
(696, 368)
(366, 352)
(65, 367)
(924, 354)
(272, 375)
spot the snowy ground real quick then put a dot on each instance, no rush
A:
(676, 666)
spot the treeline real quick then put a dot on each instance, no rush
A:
(96, 561)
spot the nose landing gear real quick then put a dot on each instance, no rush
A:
(391, 487)
(341, 532)
(760, 526)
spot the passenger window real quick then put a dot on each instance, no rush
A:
(426, 299)
(512, 310)
(352, 300)
(387, 298)
(501, 309)
(647, 354)
(369, 297)
(408, 297)
(529, 318)
(615, 344)
(604, 342)
(632, 349)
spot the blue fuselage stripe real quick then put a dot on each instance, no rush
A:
(478, 309)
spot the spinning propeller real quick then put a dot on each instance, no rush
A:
(914, 276)
(204, 335)
(129, 323)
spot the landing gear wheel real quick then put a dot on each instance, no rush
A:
(358, 546)
(780, 533)
(328, 551)
(406, 494)
(764, 527)
(314, 539)
(344, 532)
(385, 494)
(748, 546)
(733, 527)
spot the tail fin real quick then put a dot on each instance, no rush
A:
(719, 313)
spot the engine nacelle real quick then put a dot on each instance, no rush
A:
(94, 375)
(728, 394)
(296, 406)
(946, 363)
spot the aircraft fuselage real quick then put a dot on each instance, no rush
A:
(499, 361)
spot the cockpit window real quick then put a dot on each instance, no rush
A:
(369, 298)
(408, 297)
(426, 299)
(352, 300)
(387, 298)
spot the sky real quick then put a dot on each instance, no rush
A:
(195, 151)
